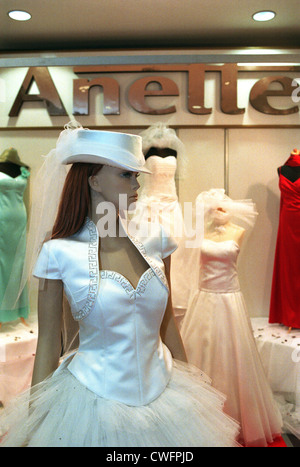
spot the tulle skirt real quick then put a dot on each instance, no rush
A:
(218, 338)
(64, 413)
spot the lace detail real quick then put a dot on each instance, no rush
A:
(158, 271)
(93, 272)
(146, 277)
(127, 286)
(116, 276)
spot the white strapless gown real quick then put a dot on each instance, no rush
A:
(158, 202)
(218, 338)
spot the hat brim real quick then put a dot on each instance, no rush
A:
(93, 159)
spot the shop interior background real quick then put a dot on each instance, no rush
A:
(240, 153)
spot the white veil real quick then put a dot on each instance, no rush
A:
(242, 212)
(159, 135)
(46, 193)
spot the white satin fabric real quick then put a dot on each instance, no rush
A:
(121, 355)
(158, 202)
(218, 272)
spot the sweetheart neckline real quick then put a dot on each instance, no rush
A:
(125, 278)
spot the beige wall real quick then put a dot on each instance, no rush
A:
(254, 155)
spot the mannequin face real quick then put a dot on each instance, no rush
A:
(111, 182)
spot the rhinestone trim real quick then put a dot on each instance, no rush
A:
(93, 272)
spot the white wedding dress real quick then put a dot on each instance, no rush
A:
(158, 202)
(218, 338)
(122, 387)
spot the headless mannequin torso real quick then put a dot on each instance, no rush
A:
(13, 170)
(292, 174)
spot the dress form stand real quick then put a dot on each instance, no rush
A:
(158, 202)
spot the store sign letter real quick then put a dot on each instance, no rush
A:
(139, 90)
(260, 92)
(48, 93)
(111, 95)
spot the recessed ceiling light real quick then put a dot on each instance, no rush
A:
(19, 15)
(264, 15)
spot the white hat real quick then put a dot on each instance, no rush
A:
(101, 147)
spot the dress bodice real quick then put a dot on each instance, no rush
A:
(290, 193)
(12, 189)
(161, 181)
(120, 353)
(218, 271)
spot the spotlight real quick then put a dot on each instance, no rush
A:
(19, 15)
(264, 16)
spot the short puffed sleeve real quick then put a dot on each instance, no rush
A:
(169, 245)
(47, 266)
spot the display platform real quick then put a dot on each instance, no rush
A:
(17, 351)
(279, 349)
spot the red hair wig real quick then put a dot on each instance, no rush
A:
(75, 200)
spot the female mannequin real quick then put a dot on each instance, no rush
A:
(122, 382)
(284, 304)
(13, 218)
(216, 330)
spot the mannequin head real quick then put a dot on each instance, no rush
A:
(105, 165)
(85, 187)
(110, 182)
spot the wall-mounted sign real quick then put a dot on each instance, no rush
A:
(157, 82)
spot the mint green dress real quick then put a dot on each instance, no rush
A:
(13, 221)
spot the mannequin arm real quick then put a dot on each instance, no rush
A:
(169, 331)
(49, 335)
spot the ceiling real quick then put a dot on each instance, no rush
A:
(106, 24)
